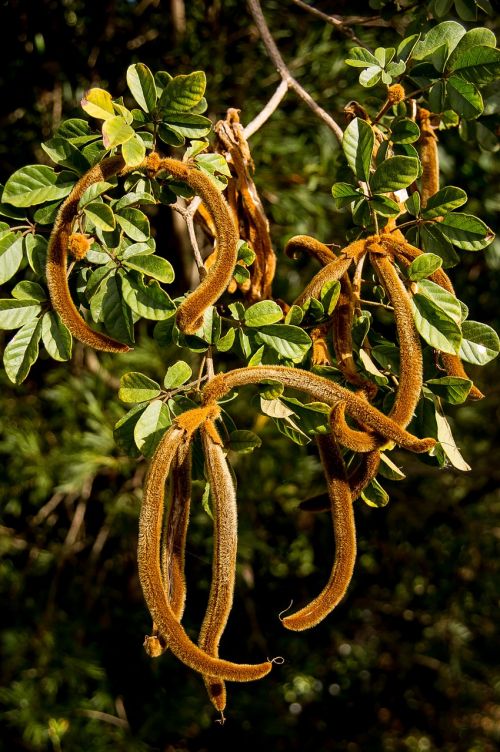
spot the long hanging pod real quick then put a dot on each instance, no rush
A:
(344, 532)
(225, 519)
(150, 574)
(189, 315)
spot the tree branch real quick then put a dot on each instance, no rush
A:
(336, 21)
(281, 67)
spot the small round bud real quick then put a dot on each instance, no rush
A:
(79, 245)
(395, 94)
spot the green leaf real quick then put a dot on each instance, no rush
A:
(360, 58)
(226, 342)
(445, 438)
(134, 150)
(374, 495)
(93, 191)
(371, 76)
(437, 96)
(170, 137)
(271, 388)
(137, 387)
(56, 337)
(466, 231)
(36, 250)
(433, 241)
(423, 266)
(412, 204)
(183, 93)
(480, 343)
(98, 103)
(436, 328)
(116, 131)
(404, 131)
(115, 313)
(448, 303)
(357, 144)
(153, 266)
(149, 301)
(243, 441)
(188, 125)
(101, 215)
(177, 375)
(123, 431)
(245, 254)
(16, 313)
(264, 312)
(35, 184)
(467, 11)
(464, 98)
(329, 296)
(447, 32)
(389, 470)
(11, 255)
(294, 315)
(344, 194)
(63, 152)
(211, 327)
(384, 205)
(27, 290)
(22, 351)
(141, 83)
(406, 47)
(289, 341)
(394, 174)
(134, 224)
(213, 163)
(450, 388)
(151, 426)
(444, 201)
(480, 37)
(138, 249)
(478, 65)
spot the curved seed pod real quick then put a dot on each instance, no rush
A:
(150, 575)
(405, 253)
(308, 244)
(342, 339)
(332, 271)
(411, 368)
(355, 440)
(429, 157)
(173, 544)
(57, 254)
(344, 532)
(320, 389)
(359, 478)
(225, 518)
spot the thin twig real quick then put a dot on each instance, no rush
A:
(281, 67)
(188, 214)
(267, 111)
(336, 21)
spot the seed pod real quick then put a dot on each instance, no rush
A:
(308, 244)
(150, 575)
(344, 532)
(332, 271)
(225, 520)
(359, 478)
(429, 157)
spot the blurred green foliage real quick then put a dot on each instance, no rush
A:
(408, 660)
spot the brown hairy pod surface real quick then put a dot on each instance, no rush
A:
(355, 440)
(173, 544)
(365, 471)
(411, 367)
(344, 532)
(246, 205)
(79, 245)
(343, 316)
(57, 254)
(405, 254)
(428, 152)
(308, 244)
(322, 390)
(332, 271)
(225, 520)
(150, 574)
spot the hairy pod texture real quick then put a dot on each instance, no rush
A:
(225, 517)
(344, 532)
(320, 389)
(57, 254)
(334, 270)
(308, 244)
(364, 472)
(150, 574)
(428, 152)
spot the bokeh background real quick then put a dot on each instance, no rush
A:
(409, 661)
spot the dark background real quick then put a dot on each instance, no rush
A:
(409, 660)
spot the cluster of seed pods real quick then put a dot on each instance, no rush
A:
(162, 531)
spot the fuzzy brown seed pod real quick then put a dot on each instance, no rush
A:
(57, 260)
(364, 472)
(308, 244)
(320, 389)
(150, 574)
(332, 271)
(344, 532)
(395, 94)
(405, 254)
(429, 157)
(225, 519)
